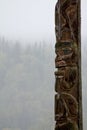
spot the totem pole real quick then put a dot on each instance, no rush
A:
(68, 98)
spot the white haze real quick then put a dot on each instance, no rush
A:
(27, 20)
(31, 20)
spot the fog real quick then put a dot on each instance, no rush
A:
(27, 40)
(26, 86)
(28, 20)
(32, 21)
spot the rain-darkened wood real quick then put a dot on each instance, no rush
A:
(68, 98)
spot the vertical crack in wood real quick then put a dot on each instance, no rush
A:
(68, 98)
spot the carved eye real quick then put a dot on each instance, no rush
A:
(66, 51)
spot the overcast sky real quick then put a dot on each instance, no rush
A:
(31, 20)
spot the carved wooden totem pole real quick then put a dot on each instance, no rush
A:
(68, 106)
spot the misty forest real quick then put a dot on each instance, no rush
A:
(27, 85)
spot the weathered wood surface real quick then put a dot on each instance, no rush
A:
(68, 107)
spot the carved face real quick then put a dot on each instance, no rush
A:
(61, 115)
(66, 107)
(66, 79)
(64, 53)
(64, 56)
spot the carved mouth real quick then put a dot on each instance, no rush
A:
(61, 63)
